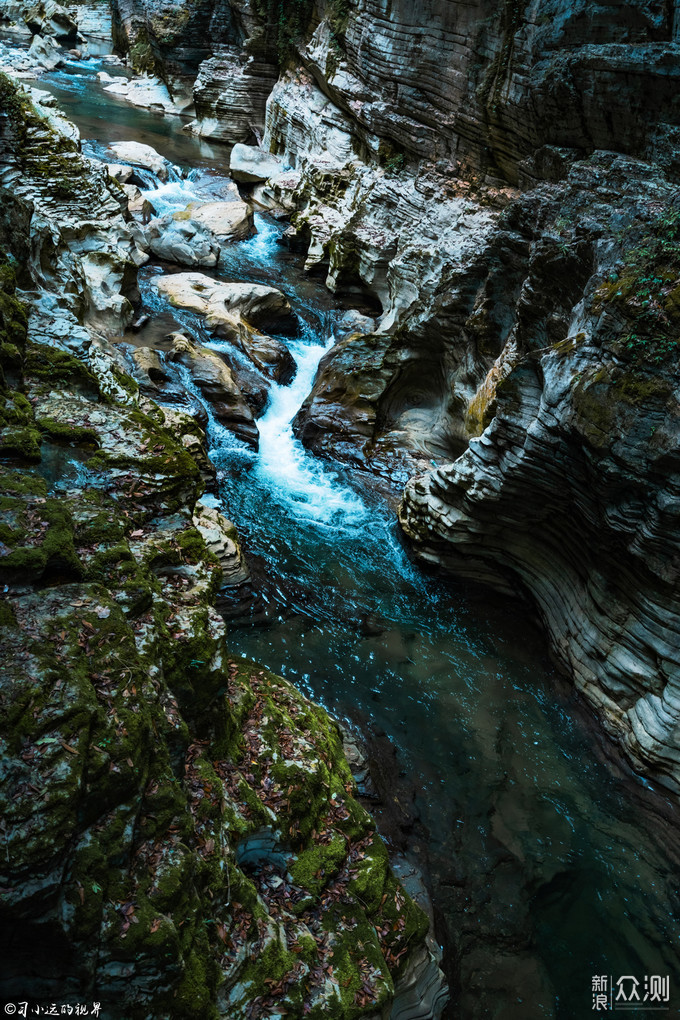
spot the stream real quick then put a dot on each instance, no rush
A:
(549, 863)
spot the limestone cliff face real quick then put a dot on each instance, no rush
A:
(572, 488)
(222, 55)
(492, 81)
(181, 834)
(72, 241)
(486, 82)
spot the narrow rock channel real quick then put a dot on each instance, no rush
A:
(541, 856)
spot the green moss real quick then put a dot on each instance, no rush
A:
(338, 17)
(7, 615)
(488, 92)
(20, 483)
(637, 390)
(125, 381)
(13, 319)
(286, 23)
(18, 435)
(49, 364)
(98, 519)
(608, 402)
(21, 443)
(40, 152)
(68, 432)
(646, 293)
(141, 55)
(315, 866)
(272, 964)
(195, 993)
(52, 526)
(193, 548)
(159, 452)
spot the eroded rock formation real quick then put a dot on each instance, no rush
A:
(572, 487)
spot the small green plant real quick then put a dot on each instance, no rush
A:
(287, 20)
(646, 290)
(395, 164)
(391, 158)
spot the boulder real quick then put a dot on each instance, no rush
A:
(250, 165)
(51, 19)
(147, 92)
(223, 302)
(148, 368)
(139, 154)
(227, 220)
(221, 538)
(119, 172)
(234, 311)
(46, 52)
(352, 322)
(136, 201)
(216, 383)
(187, 242)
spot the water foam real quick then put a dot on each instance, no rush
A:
(310, 489)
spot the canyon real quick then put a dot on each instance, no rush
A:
(479, 203)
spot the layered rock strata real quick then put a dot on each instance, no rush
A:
(221, 55)
(76, 254)
(570, 492)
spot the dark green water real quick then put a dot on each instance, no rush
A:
(549, 864)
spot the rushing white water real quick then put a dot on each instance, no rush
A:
(173, 196)
(310, 490)
(313, 491)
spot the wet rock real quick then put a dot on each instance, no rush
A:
(230, 93)
(139, 154)
(254, 386)
(577, 424)
(221, 538)
(278, 196)
(45, 18)
(223, 302)
(216, 382)
(248, 164)
(185, 241)
(234, 311)
(120, 172)
(421, 991)
(138, 204)
(147, 92)
(148, 366)
(229, 221)
(353, 322)
(80, 248)
(46, 52)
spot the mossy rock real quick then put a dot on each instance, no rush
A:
(13, 319)
(19, 437)
(35, 537)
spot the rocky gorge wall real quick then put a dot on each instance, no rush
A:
(181, 830)
(498, 181)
